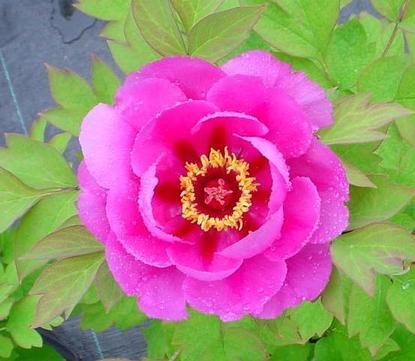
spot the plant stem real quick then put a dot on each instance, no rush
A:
(396, 28)
(175, 356)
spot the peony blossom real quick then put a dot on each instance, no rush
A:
(210, 189)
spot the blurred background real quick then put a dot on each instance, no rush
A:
(35, 32)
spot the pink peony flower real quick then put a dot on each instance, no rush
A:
(209, 188)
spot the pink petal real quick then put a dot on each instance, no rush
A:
(239, 93)
(194, 76)
(204, 134)
(190, 260)
(325, 170)
(244, 292)
(106, 143)
(257, 241)
(167, 131)
(310, 96)
(274, 73)
(91, 204)
(308, 273)
(159, 289)
(257, 63)
(140, 99)
(262, 238)
(289, 127)
(145, 199)
(126, 222)
(279, 170)
(285, 298)
(301, 216)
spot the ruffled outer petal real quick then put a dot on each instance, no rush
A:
(289, 127)
(325, 170)
(106, 143)
(258, 63)
(194, 76)
(308, 273)
(166, 132)
(159, 289)
(139, 100)
(245, 291)
(126, 222)
(301, 216)
(308, 94)
(238, 93)
(91, 204)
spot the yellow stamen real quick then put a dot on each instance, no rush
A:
(246, 185)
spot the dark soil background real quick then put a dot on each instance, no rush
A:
(32, 33)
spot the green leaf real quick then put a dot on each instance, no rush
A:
(69, 90)
(357, 120)
(64, 243)
(389, 346)
(398, 158)
(336, 295)
(68, 120)
(15, 198)
(406, 341)
(191, 11)
(104, 9)
(369, 205)
(134, 52)
(406, 96)
(389, 8)
(382, 78)
(360, 155)
(124, 315)
(156, 338)
(356, 177)
(377, 248)
(339, 347)
(312, 319)
(104, 81)
(301, 28)
(348, 53)
(369, 317)
(206, 338)
(63, 284)
(73, 94)
(401, 299)
(5, 308)
(379, 33)
(292, 353)
(242, 344)
(60, 141)
(6, 346)
(107, 289)
(36, 164)
(157, 23)
(199, 338)
(408, 17)
(37, 132)
(19, 322)
(42, 219)
(46, 353)
(218, 34)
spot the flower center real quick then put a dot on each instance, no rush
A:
(217, 191)
(218, 194)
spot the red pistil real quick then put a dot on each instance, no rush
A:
(218, 194)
